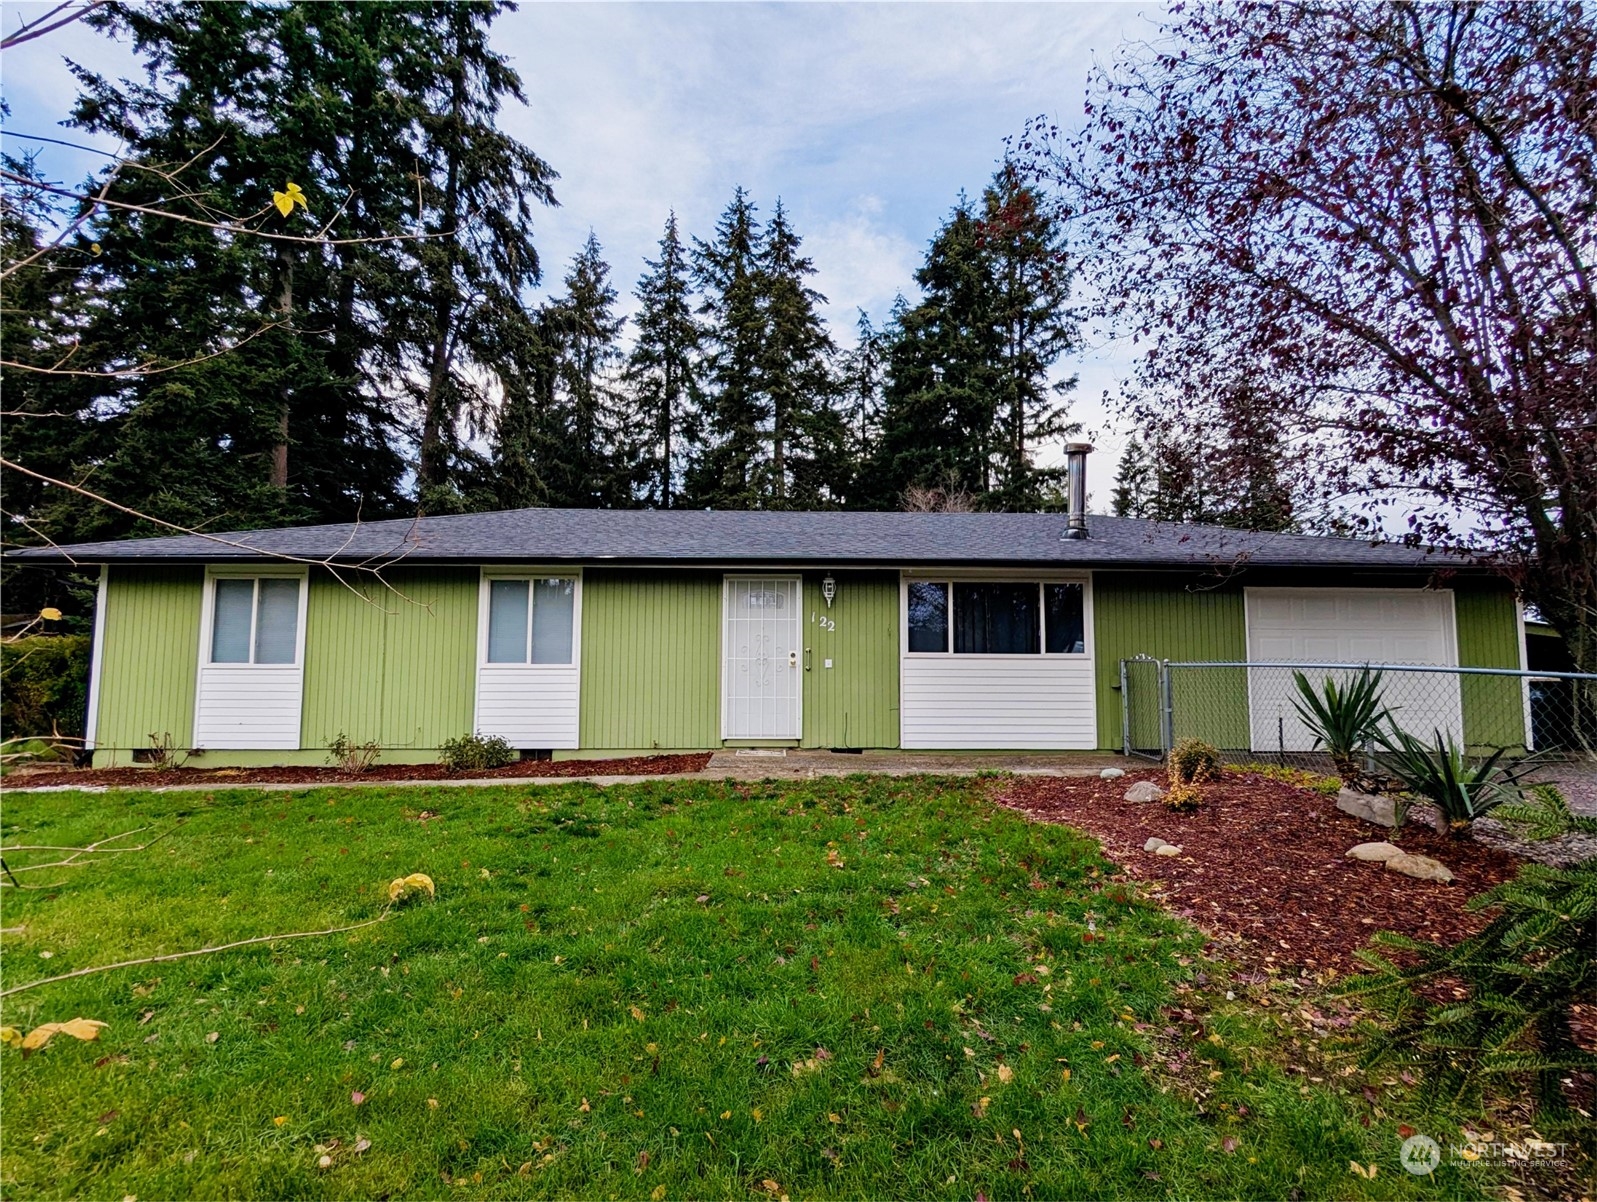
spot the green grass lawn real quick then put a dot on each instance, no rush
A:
(610, 994)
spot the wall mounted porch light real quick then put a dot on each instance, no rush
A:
(828, 589)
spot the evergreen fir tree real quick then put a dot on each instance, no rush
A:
(729, 469)
(943, 382)
(808, 467)
(861, 374)
(1133, 481)
(662, 367)
(580, 467)
(1025, 248)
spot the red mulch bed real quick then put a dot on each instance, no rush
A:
(1264, 862)
(145, 778)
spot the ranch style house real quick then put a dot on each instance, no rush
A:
(587, 633)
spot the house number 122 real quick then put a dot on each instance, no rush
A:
(826, 623)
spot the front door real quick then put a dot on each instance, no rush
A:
(761, 676)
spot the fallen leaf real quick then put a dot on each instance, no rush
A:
(637, 1013)
(10, 1037)
(399, 1062)
(770, 1186)
(834, 1118)
(643, 1162)
(1405, 1130)
(585, 1108)
(725, 1114)
(86, 1029)
(1005, 1074)
(356, 1097)
(657, 1194)
(1228, 1145)
(361, 1144)
(876, 1065)
(403, 886)
(432, 1103)
(1065, 1074)
(759, 1115)
(280, 1120)
(213, 1037)
(326, 1161)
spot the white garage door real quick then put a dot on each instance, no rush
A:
(1350, 626)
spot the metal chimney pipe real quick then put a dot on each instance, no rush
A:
(1076, 486)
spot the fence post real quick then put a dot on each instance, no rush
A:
(1167, 723)
(1125, 710)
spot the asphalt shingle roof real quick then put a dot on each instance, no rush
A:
(758, 537)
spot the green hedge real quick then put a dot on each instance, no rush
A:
(44, 685)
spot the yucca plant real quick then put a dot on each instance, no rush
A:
(1441, 772)
(1344, 719)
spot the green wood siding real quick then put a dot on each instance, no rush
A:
(651, 659)
(854, 703)
(1169, 616)
(396, 665)
(150, 657)
(1488, 637)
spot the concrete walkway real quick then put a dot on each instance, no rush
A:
(742, 764)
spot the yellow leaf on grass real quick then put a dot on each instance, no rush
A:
(79, 1028)
(770, 1186)
(403, 886)
(1065, 1074)
(280, 1120)
(657, 1194)
(834, 1118)
(637, 1013)
(1005, 1073)
(759, 1115)
(10, 1037)
(725, 1114)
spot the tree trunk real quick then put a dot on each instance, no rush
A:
(285, 312)
(436, 410)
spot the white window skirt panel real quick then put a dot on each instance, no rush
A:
(1010, 702)
(248, 709)
(530, 708)
(1351, 626)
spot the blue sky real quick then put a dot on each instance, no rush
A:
(867, 119)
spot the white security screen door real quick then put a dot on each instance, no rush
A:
(761, 676)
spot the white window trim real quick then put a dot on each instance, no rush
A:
(253, 572)
(798, 642)
(969, 576)
(91, 720)
(487, 575)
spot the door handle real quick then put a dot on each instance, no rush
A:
(809, 660)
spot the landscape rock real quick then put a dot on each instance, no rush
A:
(1167, 849)
(1421, 867)
(1374, 851)
(1371, 807)
(1144, 790)
(1154, 843)
(1111, 774)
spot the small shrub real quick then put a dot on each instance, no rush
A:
(1325, 786)
(1183, 797)
(474, 753)
(44, 685)
(161, 755)
(1344, 719)
(353, 757)
(1192, 761)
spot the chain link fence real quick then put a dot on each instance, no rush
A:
(1248, 710)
